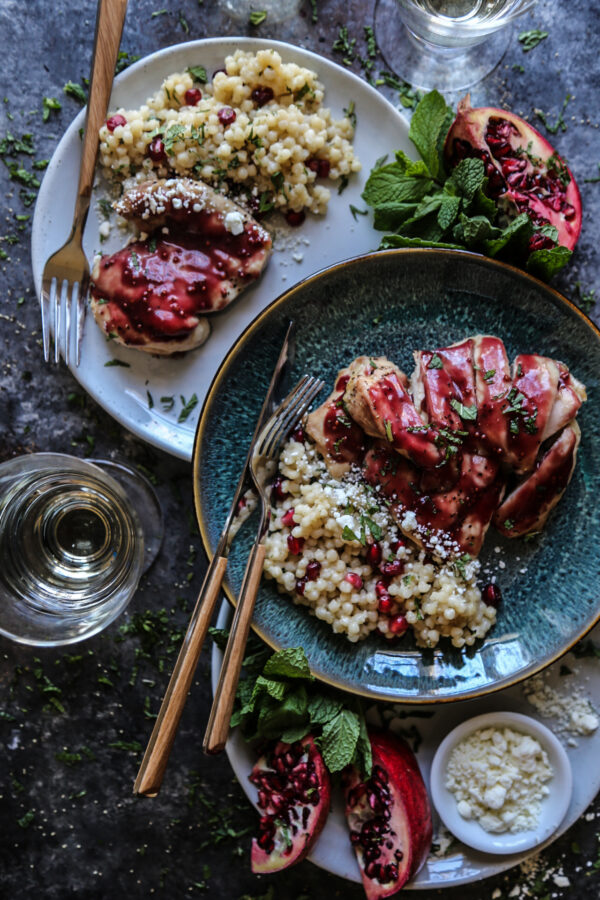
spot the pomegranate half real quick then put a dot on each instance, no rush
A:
(389, 817)
(525, 173)
(294, 795)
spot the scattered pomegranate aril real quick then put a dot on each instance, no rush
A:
(295, 545)
(398, 625)
(295, 218)
(395, 545)
(355, 580)
(299, 435)
(492, 595)
(300, 585)
(385, 605)
(313, 570)
(226, 116)
(374, 554)
(390, 569)
(278, 488)
(389, 817)
(381, 589)
(115, 121)
(288, 518)
(216, 72)
(156, 150)
(295, 793)
(262, 94)
(193, 96)
(525, 173)
(321, 166)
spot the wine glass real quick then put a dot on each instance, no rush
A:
(445, 44)
(71, 548)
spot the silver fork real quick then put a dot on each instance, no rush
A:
(66, 276)
(262, 467)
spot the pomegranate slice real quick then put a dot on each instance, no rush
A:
(525, 173)
(389, 817)
(294, 794)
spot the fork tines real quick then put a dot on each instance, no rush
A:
(288, 414)
(58, 302)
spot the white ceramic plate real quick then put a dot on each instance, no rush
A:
(461, 864)
(320, 241)
(553, 807)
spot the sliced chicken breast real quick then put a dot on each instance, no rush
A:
(377, 398)
(526, 508)
(339, 440)
(448, 386)
(492, 382)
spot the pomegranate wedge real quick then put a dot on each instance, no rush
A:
(389, 817)
(294, 794)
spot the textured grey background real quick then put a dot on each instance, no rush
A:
(194, 838)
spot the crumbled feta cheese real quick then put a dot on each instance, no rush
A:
(234, 222)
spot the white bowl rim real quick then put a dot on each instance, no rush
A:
(554, 807)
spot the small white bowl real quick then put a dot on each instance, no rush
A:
(552, 808)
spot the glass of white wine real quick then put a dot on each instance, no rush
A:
(445, 44)
(71, 549)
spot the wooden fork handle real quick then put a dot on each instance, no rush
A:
(109, 27)
(156, 757)
(217, 729)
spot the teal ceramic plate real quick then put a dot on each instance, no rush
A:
(390, 304)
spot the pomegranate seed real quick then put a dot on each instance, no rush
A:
(262, 94)
(288, 518)
(392, 568)
(156, 150)
(295, 544)
(300, 585)
(216, 72)
(193, 96)
(398, 625)
(395, 545)
(299, 435)
(226, 116)
(492, 595)
(295, 218)
(278, 488)
(374, 554)
(385, 605)
(114, 121)
(321, 166)
(355, 580)
(382, 591)
(313, 570)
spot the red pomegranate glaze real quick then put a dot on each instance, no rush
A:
(115, 121)
(159, 287)
(156, 150)
(226, 116)
(295, 544)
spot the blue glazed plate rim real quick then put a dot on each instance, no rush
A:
(373, 693)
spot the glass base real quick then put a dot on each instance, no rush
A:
(428, 66)
(142, 497)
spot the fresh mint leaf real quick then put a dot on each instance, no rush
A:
(339, 739)
(468, 177)
(482, 205)
(348, 534)
(363, 756)
(289, 663)
(428, 128)
(390, 216)
(322, 708)
(296, 733)
(476, 230)
(397, 183)
(546, 263)
(514, 238)
(275, 689)
(398, 240)
(275, 718)
(198, 74)
(448, 211)
(76, 91)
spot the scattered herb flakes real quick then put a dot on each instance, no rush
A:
(560, 122)
(183, 22)
(49, 104)
(357, 212)
(343, 44)
(198, 74)
(585, 300)
(124, 60)
(188, 406)
(150, 400)
(158, 12)
(593, 180)
(257, 17)
(467, 413)
(72, 89)
(167, 403)
(435, 362)
(117, 362)
(350, 113)
(388, 430)
(26, 820)
(315, 12)
(127, 746)
(348, 534)
(517, 67)
(344, 181)
(371, 42)
(530, 39)
(460, 564)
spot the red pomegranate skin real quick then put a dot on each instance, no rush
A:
(289, 776)
(525, 173)
(410, 814)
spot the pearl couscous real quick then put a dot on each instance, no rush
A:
(258, 128)
(333, 547)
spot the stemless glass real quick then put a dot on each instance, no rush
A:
(445, 44)
(71, 549)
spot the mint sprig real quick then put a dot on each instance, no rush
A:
(420, 204)
(279, 699)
